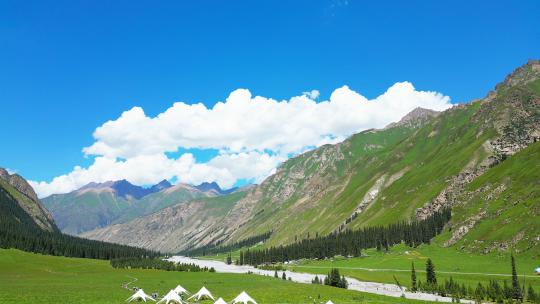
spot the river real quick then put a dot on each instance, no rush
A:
(391, 290)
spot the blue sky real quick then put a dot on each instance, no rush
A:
(66, 67)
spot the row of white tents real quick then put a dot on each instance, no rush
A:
(175, 296)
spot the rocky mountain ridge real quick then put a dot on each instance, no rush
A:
(27, 199)
(98, 205)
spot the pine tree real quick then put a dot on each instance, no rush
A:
(229, 259)
(431, 278)
(275, 274)
(516, 290)
(531, 295)
(414, 286)
(343, 283)
(479, 293)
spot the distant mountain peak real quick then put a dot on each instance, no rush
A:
(123, 188)
(19, 183)
(521, 75)
(164, 184)
(213, 186)
(417, 115)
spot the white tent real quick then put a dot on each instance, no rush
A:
(180, 290)
(203, 293)
(171, 297)
(329, 302)
(220, 301)
(140, 295)
(244, 298)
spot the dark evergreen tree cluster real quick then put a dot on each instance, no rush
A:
(493, 292)
(155, 263)
(334, 279)
(219, 248)
(350, 243)
(18, 230)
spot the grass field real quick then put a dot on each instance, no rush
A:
(34, 278)
(464, 267)
(449, 262)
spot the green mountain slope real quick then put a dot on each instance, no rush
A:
(160, 200)
(80, 211)
(19, 229)
(95, 207)
(501, 208)
(19, 190)
(408, 170)
(174, 228)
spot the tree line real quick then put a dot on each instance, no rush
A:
(156, 263)
(494, 291)
(219, 248)
(18, 230)
(351, 243)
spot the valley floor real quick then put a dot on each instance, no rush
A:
(468, 269)
(392, 290)
(34, 278)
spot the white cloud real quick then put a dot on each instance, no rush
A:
(253, 135)
(313, 94)
(11, 171)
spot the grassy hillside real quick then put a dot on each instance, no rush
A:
(174, 228)
(33, 278)
(78, 212)
(88, 209)
(381, 176)
(502, 207)
(159, 200)
(26, 198)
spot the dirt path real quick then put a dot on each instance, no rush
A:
(126, 285)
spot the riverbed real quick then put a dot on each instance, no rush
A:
(391, 290)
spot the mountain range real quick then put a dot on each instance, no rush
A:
(480, 158)
(97, 205)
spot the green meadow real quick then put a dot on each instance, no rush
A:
(386, 267)
(33, 278)
(466, 268)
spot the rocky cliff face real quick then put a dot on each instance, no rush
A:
(27, 199)
(182, 226)
(514, 112)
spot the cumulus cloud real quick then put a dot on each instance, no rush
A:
(313, 94)
(253, 134)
